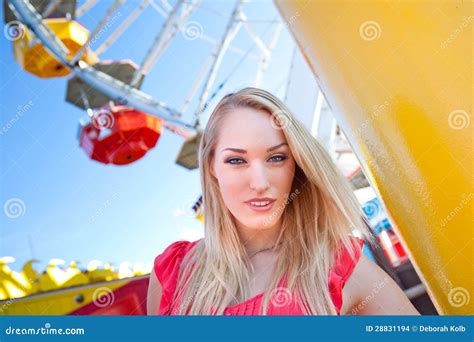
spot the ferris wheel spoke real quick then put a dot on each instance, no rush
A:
(52, 5)
(85, 7)
(157, 42)
(233, 27)
(171, 26)
(85, 100)
(265, 57)
(166, 5)
(197, 82)
(102, 23)
(258, 41)
(163, 12)
(189, 8)
(123, 27)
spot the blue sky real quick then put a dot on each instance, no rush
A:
(79, 209)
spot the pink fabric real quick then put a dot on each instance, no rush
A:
(282, 303)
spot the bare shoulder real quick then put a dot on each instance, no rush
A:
(371, 291)
(153, 295)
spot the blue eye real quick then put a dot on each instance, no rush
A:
(231, 161)
(278, 158)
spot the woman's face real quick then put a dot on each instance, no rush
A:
(254, 168)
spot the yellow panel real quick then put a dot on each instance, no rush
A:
(59, 302)
(34, 58)
(398, 77)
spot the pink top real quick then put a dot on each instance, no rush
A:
(281, 302)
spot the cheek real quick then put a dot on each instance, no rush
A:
(285, 177)
(231, 187)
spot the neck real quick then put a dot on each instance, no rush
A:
(255, 240)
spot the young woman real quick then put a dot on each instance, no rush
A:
(278, 226)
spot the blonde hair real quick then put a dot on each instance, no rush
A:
(316, 224)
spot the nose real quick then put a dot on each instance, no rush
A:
(259, 181)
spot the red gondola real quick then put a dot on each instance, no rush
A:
(120, 135)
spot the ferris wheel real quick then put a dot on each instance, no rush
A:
(124, 122)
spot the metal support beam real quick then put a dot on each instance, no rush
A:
(92, 36)
(229, 34)
(123, 26)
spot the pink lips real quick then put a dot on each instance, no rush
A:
(261, 208)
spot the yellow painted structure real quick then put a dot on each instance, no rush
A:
(60, 291)
(398, 77)
(60, 301)
(35, 59)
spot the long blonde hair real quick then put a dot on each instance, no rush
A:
(316, 224)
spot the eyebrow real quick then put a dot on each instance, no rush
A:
(238, 150)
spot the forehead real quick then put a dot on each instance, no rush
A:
(248, 128)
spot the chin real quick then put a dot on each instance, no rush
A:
(258, 223)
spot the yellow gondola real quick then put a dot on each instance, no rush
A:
(34, 58)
